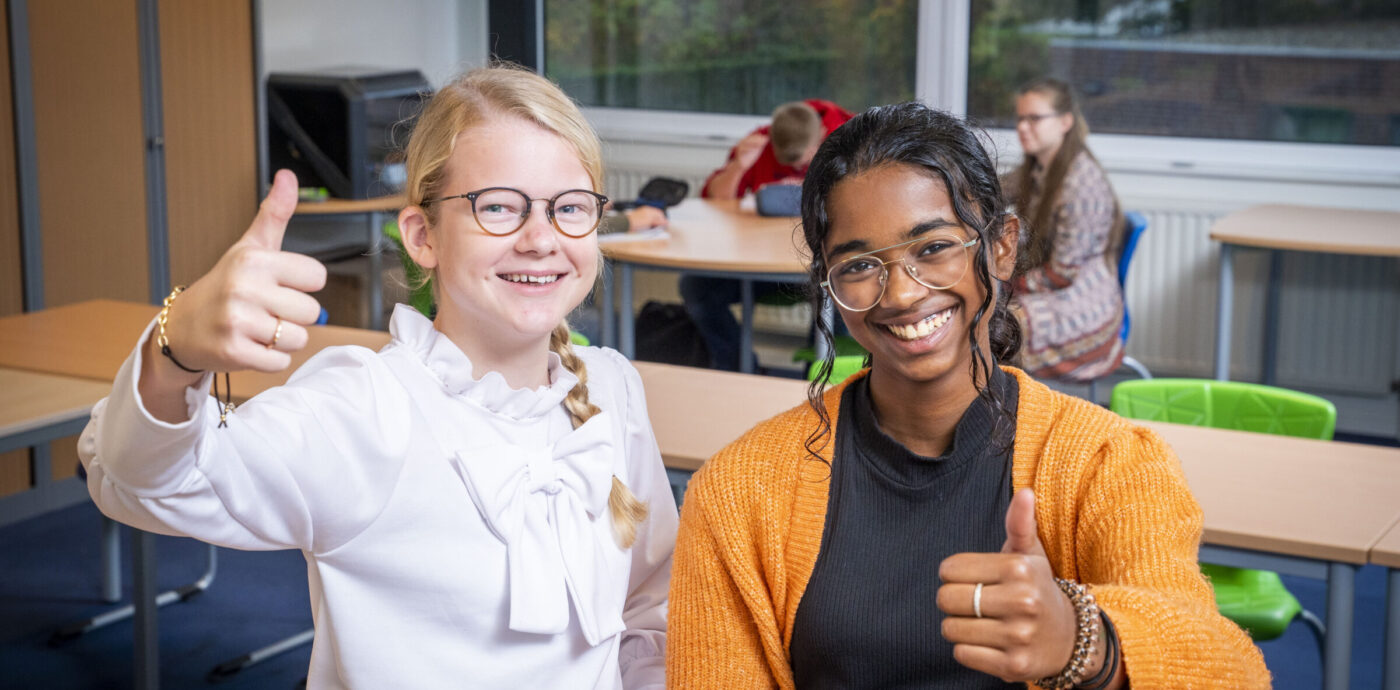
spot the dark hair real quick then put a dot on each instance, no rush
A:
(947, 149)
(1040, 234)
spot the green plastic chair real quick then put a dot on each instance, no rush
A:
(1255, 599)
(841, 368)
(846, 346)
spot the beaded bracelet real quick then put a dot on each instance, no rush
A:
(1086, 612)
(1105, 675)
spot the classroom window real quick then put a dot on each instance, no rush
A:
(1293, 71)
(731, 56)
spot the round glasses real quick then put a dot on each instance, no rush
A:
(502, 210)
(938, 262)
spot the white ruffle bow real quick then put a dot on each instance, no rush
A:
(544, 504)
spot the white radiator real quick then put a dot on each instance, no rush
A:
(1337, 314)
(1338, 327)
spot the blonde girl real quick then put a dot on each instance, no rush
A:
(479, 503)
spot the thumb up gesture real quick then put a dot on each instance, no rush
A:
(1005, 614)
(251, 309)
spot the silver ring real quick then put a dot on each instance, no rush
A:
(977, 600)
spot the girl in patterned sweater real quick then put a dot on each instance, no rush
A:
(1066, 295)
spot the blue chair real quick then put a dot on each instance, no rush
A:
(1136, 225)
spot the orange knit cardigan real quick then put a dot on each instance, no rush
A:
(1112, 508)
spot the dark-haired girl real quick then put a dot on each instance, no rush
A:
(938, 520)
(1067, 297)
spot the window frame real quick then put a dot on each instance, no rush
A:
(944, 29)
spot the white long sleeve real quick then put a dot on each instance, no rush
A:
(372, 465)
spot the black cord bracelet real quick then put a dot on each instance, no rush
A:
(165, 350)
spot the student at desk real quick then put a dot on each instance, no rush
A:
(479, 503)
(772, 154)
(939, 521)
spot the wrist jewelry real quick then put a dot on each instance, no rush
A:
(1110, 661)
(225, 406)
(1086, 613)
(164, 342)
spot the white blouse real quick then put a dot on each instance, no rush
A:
(456, 531)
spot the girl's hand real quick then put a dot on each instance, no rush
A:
(645, 218)
(228, 319)
(1028, 625)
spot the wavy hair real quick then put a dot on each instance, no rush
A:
(947, 149)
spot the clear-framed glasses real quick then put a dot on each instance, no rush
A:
(502, 210)
(935, 261)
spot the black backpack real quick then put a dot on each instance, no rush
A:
(666, 334)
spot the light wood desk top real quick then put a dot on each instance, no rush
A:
(1318, 499)
(87, 340)
(1312, 229)
(330, 207)
(718, 235)
(90, 340)
(1387, 552)
(30, 400)
(696, 412)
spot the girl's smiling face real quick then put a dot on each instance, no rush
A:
(914, 332)
(509, 291)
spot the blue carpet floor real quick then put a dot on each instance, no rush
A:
(49, 576)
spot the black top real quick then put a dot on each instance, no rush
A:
(869, 617)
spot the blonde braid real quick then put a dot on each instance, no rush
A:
(627, 510)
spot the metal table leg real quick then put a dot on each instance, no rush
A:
(1223, 314)
(111, 560)
(746, 355)
(626, 337)
(374, 285)
(146, 638)
(608, 328)
(1341, 610)
(1271, 305)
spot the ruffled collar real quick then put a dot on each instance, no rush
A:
(450, 366)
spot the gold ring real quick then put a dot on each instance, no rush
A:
(276, 334)
(977, 600)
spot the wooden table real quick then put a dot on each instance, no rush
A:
(375, 211)
(1387, 553)
(696, 412)
(90, 340)
(35, 409)
(716, 239)
(1293, 505)
(83, 346)
(1280, 227)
